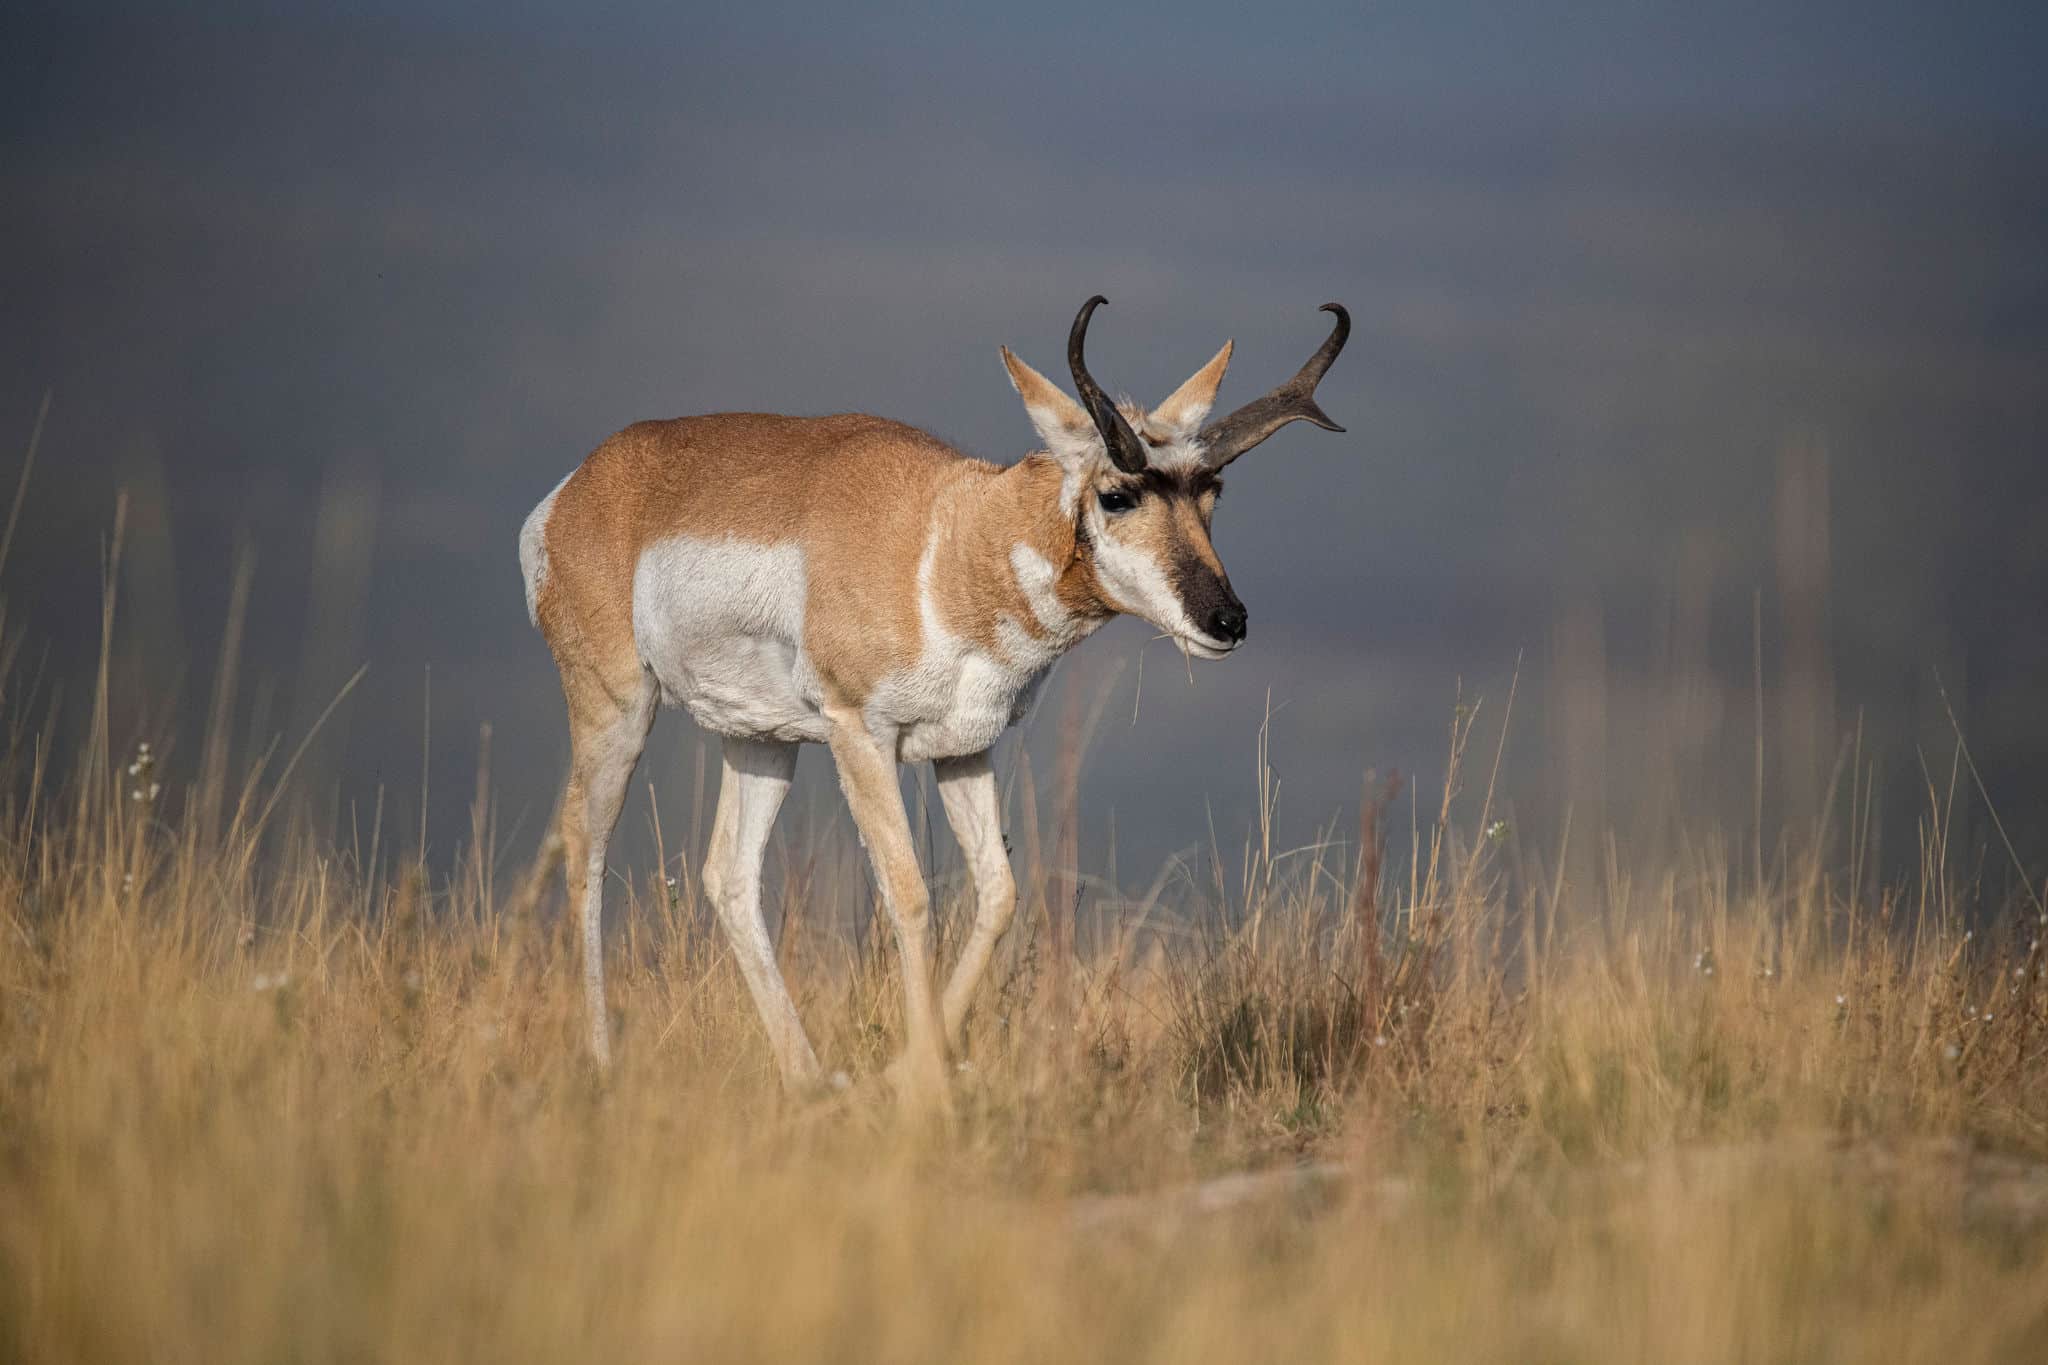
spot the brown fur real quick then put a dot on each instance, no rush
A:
(865, 498)
(856, 490)
(980, 519)
(861, 494)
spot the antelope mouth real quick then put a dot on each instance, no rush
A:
(1203, 647)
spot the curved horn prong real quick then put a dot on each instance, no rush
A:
(1231, 437)
(1125, 450)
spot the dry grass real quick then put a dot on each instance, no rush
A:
(260, 1101)
(264, 1096)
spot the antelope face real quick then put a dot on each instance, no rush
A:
(1147, 538)
(1142, 485)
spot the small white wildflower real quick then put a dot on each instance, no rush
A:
(269, 981)
(141, 770)
(127, 881)
(1497, 831)
(1987, 1016)
(1841, 1000)
(1952, 1052)
(1379, 1040)
(2020, 972)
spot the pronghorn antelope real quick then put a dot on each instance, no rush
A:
(855, 582)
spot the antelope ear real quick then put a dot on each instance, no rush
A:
(1062, 423)
(1185, 408)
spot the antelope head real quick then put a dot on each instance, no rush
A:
(1141, 484)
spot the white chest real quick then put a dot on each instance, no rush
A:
(958, 699)
(960, 696)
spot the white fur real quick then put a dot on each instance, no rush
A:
(533, 550)
(1069, 434)
(1180, 453)
(756, 778)
(720, 623)
(974, 808)
(1178, 417)
(1074, 476)
(957, 698)
(1138, 584)
(1017, 645)
(1035, 575)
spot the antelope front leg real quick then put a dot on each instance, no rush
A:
(867, 773)
(967, 786)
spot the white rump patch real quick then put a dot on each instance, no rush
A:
(533, 550)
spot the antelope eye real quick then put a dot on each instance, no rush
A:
(1116, 500)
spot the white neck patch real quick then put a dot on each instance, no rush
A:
(1036, 577)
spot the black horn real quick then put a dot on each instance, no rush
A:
(1231, 437)
(1125, 450)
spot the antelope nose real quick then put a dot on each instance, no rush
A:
(1227, 622)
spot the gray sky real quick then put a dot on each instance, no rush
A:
(353, 286)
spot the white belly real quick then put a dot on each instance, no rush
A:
(720, 623)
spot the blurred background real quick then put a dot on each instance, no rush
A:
(1700, 372)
